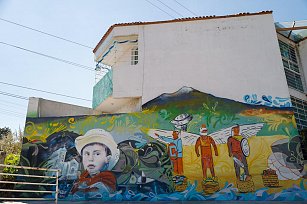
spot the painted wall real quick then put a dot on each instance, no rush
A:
(186, 145)
(225, 56)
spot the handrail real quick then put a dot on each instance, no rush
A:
(26, 175)
(28, 167)
(28, 183)
(56, 177)
(30, 191)
(44, 199)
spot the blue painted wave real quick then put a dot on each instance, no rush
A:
(228, 192)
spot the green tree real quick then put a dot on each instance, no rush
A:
(10, 143)
(4, 131)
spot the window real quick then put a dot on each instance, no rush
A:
(291, 67)
(300, 112)
(134, 56)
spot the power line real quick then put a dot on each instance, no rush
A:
(13, 95)
(33, 89)
(160, 8)
(51, 57)
(11, 115)
(45, 33)
(12, 106)
(171, 8)
(186, 8)
(13, 112)
(11, 103)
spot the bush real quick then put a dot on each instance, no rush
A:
(11, 159)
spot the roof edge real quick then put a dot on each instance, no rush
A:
(174, 21)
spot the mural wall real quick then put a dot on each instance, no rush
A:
(183, 146)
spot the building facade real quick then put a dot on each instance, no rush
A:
(186, 109)
(220, 55)
(293, 49)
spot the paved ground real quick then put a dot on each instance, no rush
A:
(162, 202)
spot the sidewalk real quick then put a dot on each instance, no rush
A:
(159, 202)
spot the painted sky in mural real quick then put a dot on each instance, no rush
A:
(186, 145)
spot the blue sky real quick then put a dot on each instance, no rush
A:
(85, 22)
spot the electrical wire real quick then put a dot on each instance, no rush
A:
(45, 33)
(13, 106)
(13, 95)
(160, 8)
(171, 8)
(12, 115)
(186, 8)
(39, 90)
(13, 112)
(51, 57)
(11, 103)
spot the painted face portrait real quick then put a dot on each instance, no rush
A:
(203, 132)
(175, 135)
(97, 141)
(236, 130)
(94, 158)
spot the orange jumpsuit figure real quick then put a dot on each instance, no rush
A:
(205, 142)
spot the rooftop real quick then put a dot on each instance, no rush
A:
(296, 30)
(176, 20)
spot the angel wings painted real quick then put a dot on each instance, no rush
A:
(219, 137)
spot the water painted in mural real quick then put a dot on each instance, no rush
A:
(186, 145)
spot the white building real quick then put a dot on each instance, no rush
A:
(227, 56)
(293, 47)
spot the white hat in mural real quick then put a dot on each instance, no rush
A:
(181, 121)
(99, 136)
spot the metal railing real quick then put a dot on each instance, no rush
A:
(56, 177)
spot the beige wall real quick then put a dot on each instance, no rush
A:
(38, 107)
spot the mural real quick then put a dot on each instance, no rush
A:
(187, 145)
(267, 101)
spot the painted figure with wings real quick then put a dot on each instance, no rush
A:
(204, 142)
(219, 137)
(238, 149)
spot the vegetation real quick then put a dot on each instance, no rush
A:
(10, 143)
(10, 148)
(11, 159)
(4, 131)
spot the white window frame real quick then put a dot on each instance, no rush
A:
(134, 55)
(290, 63)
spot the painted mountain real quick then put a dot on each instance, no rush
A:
(219, 113)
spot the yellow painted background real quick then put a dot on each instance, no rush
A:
(260, 150)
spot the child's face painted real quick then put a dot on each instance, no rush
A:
(94, 158)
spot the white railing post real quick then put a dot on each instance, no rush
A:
(56, 184)
(57, 187)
